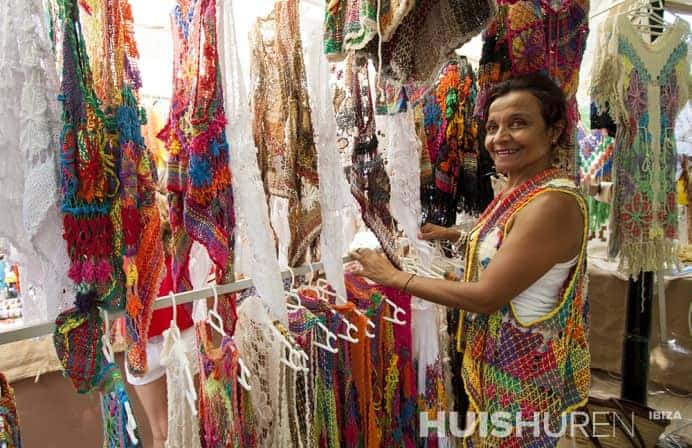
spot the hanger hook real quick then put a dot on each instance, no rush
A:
(293, 277)
(174, 305)
(216, 298)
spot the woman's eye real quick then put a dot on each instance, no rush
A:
(491, 129)
(518, 123)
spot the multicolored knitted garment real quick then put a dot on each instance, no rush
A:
(452, 143)
(10, 434)
(646, 86)
(369, 181)
(119, 426)
(199, 178)
(348, 25)
(223, 404)
(536, 36)
(428, 36)
(392, 371)
(111, 223)
(595, 154)
(282, 126)
(303, 325)
(525, 367)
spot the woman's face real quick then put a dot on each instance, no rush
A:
(516, 134)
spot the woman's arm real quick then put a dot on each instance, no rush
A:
(547, 231)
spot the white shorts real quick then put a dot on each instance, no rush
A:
(154, 349)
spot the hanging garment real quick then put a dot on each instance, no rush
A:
(538, 366)
(304, 326)
(348, 25)
(283, 127)
(261, 350)
(428, 36)
(428, 362)
(29, 134)
(119, 425)
(537, 36)
(255, 241)
(10, 435)
(183, 426)
(223, 406)
(595, 155)
(401, 146)
(336, 203)
(452, 142)
(367, 176)
(111, 222)
(646, 85)
(199, 178)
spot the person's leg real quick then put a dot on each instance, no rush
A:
(153, 398)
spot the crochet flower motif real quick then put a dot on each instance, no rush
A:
(636, 98)
(669, 100)
(528, 49)
(636, 216)
(200, 172)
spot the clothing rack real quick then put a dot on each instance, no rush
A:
(46, 328)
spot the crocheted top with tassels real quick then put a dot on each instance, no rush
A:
(199, 178)
(536, 36)
(525, 367)
(645, 85)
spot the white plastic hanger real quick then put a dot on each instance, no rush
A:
(322, 285)
(190, 392)
(646, 9)
(329, 336)
(107, 349)
(351, 329)
(216, 322)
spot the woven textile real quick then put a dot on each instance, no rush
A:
(111, 223)
(348, 25)
(199, 178)
(225, 412)
(531, 36)
(283, 128)
(452, 142)
(646, 85)
(428, 36)
(525, 367)
(119, 427)
(368, 178)
(10, 434)
(595, 155)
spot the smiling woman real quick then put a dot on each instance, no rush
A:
(524, 325)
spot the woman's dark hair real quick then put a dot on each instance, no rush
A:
(550, 97)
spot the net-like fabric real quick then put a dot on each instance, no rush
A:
(29, 132)
(119, 427)
(370, 184)
(282, 125)
(199, 178)
(261, 350)
(10, 434)
(183, 426)
(225, 413)
(251, 210)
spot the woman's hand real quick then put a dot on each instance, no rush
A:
(431, 232)
(376, 267)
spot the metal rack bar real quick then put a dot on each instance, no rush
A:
(46, 328)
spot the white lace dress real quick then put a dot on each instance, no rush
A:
(183, 426)
(29, 138)
(254, 239)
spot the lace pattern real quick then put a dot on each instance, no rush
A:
(183, 426)
(251, 210)
(282, 125)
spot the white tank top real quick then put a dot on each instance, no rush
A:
(542, 297)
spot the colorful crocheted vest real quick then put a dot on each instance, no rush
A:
(514, 367)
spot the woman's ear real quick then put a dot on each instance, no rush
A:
(556, 131)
